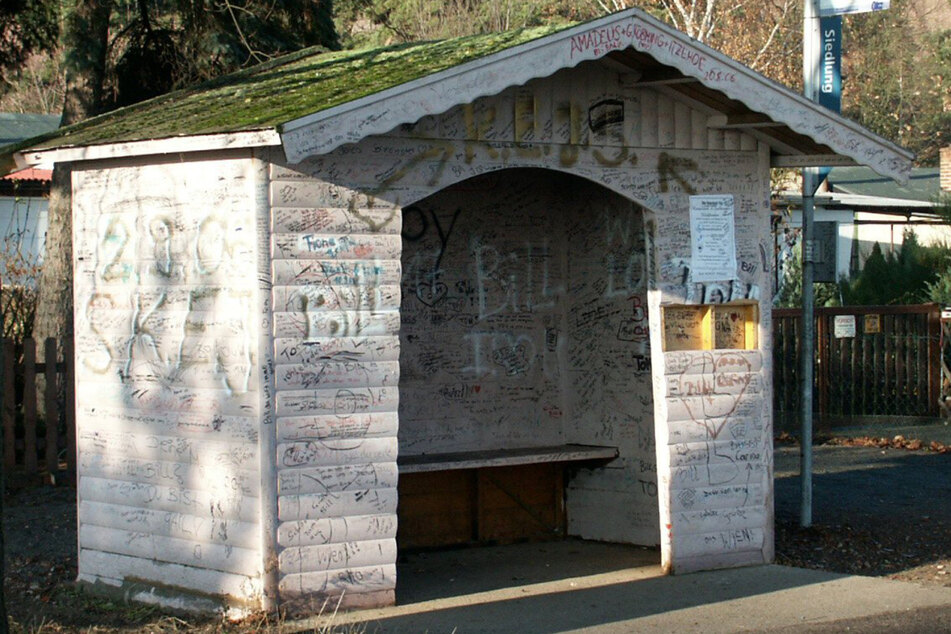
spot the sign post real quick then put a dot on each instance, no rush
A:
(810, 58)
(813, 86)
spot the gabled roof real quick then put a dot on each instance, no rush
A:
(312, 101)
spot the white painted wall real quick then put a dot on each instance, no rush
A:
(168, 314)
(888, 230)
(23, 223)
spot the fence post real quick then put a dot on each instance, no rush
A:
(934, 360)
(52, 409)
(69, 361)
(7, 413)
(29, 408)
(823, 361)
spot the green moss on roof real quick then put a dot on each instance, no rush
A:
(287, 88)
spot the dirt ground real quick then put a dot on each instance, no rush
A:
(876, 512)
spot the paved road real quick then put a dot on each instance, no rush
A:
(864, 484)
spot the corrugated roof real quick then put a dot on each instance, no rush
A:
(30, 174)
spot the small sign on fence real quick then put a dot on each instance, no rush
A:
(843, 326)
(872, 325)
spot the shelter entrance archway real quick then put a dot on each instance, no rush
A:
(525, 389)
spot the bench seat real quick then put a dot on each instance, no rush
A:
(419, 463)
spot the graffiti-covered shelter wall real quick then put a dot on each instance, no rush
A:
(524, 325)
(170, 400)
(507, 274)
(468, 321)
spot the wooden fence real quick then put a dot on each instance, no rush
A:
(37, 447)
(878, 361)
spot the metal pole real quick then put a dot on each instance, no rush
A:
(810, 68)
(808, 346)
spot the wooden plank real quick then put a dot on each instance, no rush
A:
(187, 552)
(346, 401)
(331, 530)
(342, 504)
(7, 414)
(328, 479)
(649, 119)
(901, 360)
(337, 556)
(194, 527)
(503, 457)
(329, 219)
(169, 474)
(517, 503)
(920, 368)
(337, 582)
(436, 509)
(51, 399)
(119, 567)
(173, 499)
(337, 426)
(329, 453)
(934, 361)
(888, 359)
(666, 135)
(877, 369)
(846, 382)
(169, 449)
(824, 347)
(69, 356)
(326, 297)
(334, 375)
(867, 386)
(721, 542)
(29, 407)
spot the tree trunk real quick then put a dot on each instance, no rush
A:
(54, 309)
(4, 621)
(85, 44)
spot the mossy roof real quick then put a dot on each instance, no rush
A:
(270, 94)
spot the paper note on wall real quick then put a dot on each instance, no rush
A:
(712, 241)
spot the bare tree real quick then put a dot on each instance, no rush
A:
(86, 44)
(696, 18)
(760, 34)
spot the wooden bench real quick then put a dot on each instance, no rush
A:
(493, 496)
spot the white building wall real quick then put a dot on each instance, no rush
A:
(23, 223)
(168, 309)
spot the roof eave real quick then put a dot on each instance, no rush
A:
(323, 131)
(170, 145)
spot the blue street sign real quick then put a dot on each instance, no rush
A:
(830, 69)
(830, 63)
